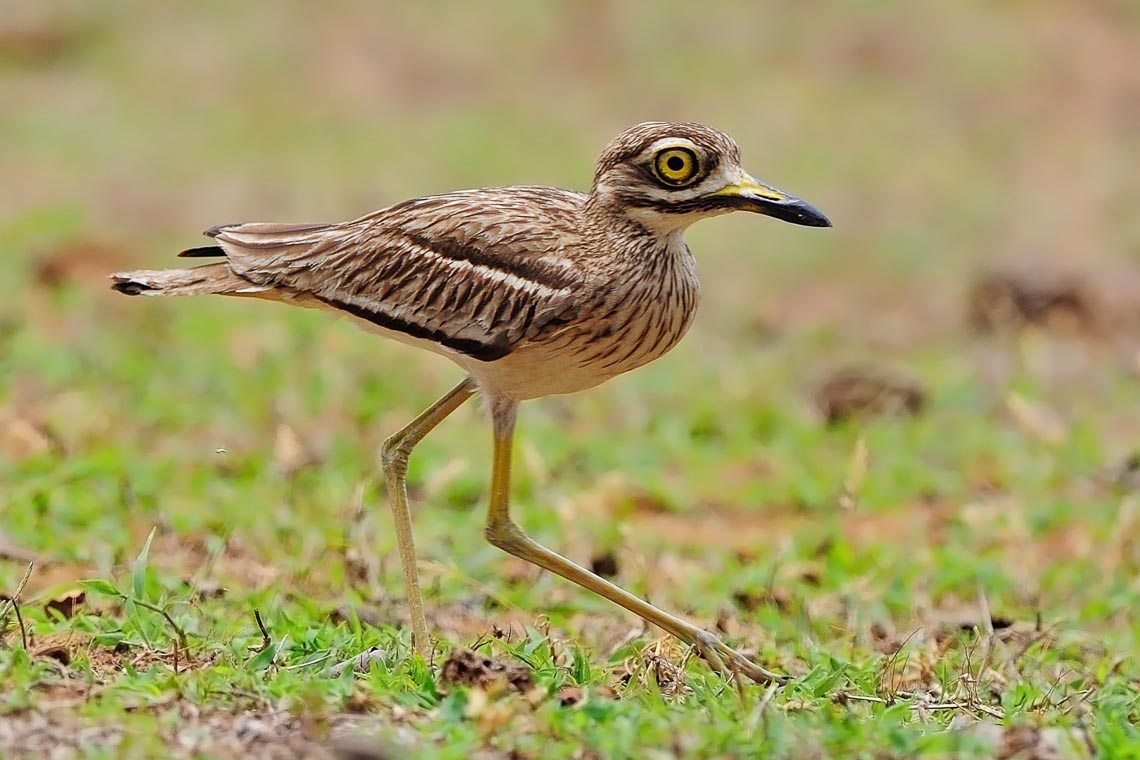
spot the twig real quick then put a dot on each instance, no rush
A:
(966, 678)
(310, 663)
(1041, 635)
(24, 580)
(435, 649)
(772, 576)
(14, 600)
(1083, 695)
(265, 640)
(20, 621)
(360, 662)
(968, 705)
(856, 472)
(987, 616)
(758, 713)
(861, 698)
(630, 636)
(993, 712)
(988, 629)
(1044, 699)
(690, 652)
(888, 667)
(358, 560)
(170, 621)
(738, 682)
(945, 706)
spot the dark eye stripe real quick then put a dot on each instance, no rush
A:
(678, 207)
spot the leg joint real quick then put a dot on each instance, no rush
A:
(504, 534)
(394, 453)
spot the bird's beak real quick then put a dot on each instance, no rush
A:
(750, 194)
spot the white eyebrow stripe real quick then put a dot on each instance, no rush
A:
(484, 271)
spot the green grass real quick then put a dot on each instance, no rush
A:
(187, 464)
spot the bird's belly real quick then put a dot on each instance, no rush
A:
(583, 355)
(572, 358)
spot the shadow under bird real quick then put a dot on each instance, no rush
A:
(531, 290)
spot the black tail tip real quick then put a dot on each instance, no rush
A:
(205, 251)
(130, 287)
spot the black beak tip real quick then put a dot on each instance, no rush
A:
(793, 211)
(809, 216)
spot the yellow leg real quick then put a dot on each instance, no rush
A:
(394, 461)
(503, 533)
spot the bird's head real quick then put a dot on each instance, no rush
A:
(669, 175)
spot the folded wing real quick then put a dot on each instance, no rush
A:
(473, 271)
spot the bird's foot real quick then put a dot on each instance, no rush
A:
(728, 661)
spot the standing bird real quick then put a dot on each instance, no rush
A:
(531, 290)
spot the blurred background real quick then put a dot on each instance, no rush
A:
(979, 161)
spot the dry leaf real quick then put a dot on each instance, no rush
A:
(57, 653)
(65, 604)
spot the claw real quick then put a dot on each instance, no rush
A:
(724, 659)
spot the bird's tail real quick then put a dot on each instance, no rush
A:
(212, 278)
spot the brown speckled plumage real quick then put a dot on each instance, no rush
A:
(531, 290)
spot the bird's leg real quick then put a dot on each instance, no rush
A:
(394, 461)
(503, 533)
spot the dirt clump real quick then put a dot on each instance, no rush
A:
(466, 667)
(866, 392)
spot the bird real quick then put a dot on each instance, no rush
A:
(531, 290)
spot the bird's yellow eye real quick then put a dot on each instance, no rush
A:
(675, 166)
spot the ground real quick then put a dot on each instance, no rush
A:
(897, 460)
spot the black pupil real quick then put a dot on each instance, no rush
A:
(675, 163)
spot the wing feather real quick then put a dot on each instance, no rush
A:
(477, 271)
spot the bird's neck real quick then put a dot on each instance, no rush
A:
(609, 226)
